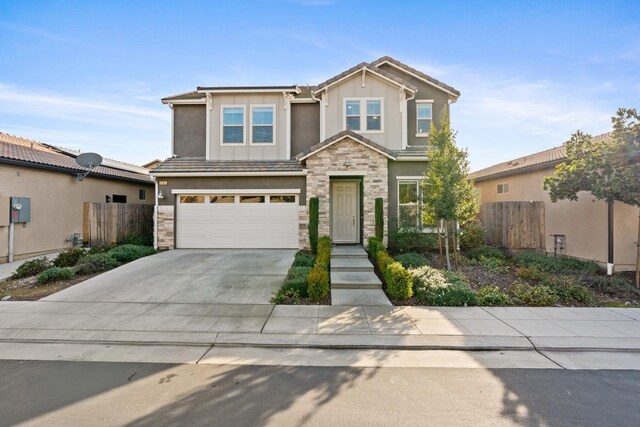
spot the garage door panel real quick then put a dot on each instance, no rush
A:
(237, 225)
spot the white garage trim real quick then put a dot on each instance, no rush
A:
(208, 222)
(214, 192)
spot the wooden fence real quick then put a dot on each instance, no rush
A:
(109, 223)
(514, 225)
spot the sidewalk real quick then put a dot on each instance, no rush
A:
(332, 327)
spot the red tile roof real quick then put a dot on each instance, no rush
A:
(23, 151)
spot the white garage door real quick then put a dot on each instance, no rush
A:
(237, 221)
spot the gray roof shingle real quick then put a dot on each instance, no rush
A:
(370, 67)
(416, 72)
(200, 164)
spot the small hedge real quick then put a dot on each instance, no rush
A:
(412, 260)
(31, 268)
(569, 289)
(97, 263)
(552, 264)
(318, 283)
(379, 217)
(398, 281)
(433, 287)
(69, 258)
(55, 274)
(314, 215)
(142, 240)
(485, 251)
(303, 259)
(324, 251)
(491, 296)
(375, 245)
(537, 296)
(384, 260)
(297, 280)
(128, 253)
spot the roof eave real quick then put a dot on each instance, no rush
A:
(532, 168)
(359, 70)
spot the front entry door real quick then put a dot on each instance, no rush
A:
(345, 211)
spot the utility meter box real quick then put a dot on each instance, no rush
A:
(20, 209)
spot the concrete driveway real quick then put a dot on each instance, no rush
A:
(214, 276)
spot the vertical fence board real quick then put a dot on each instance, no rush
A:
(514, 225)
(109, 223)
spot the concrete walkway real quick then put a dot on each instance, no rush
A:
(353, 279)
(266, 325)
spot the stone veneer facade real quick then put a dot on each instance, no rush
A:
(365, 163)
(165, 227)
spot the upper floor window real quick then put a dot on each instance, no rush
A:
(233, 124)
(424, 116)
(503, 188)
(262, 124)
(363, 114)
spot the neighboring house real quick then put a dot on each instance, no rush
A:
(584, 222)
(47, 176)
(246, 160)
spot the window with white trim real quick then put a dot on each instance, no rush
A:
(233, 125)
(409, 203)
(364, 114)
(262, 124)
(503, 188)
(424, 117)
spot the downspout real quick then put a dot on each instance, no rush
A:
(155, 215)
(610, 263)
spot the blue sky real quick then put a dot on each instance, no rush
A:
(89, 75)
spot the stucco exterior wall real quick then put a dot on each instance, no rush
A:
(583, 222)
(391, 137)
(305, 127)
(366, 164)
(247, 151)
(189, 130)
(56, 206)
(425, 91)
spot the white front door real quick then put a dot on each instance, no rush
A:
(345, 211)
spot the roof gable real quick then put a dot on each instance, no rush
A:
(417, 74)
(364, 67)
(341, 136)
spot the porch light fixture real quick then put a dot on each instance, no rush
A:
(160, 195)
(347, 163)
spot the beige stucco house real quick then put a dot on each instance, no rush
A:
(46, 176)
(246, 160)
(584, 222)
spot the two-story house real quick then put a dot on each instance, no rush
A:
(246, 160)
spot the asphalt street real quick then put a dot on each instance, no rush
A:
(151, 394)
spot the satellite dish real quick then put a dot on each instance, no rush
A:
(90, 161)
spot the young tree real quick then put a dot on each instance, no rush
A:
(448, 194)
(609, 170)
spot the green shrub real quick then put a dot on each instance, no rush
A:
(453, 295)
(383, 261)
(411, 240)
(303, 259)
(298, 273)
(128, 253)
(142, 240)
(298, 284)
(530, 273)
(471, 236)
(375, 245)
(456, 278)
(69, 258)
(613, 286)
(552, 264)
(318, 283)
(314, 215)
(97, 263)
(398, 282)
(485, 251)
(493, 265)
(285, 296)
(492, 296)
(411, 260)
(427, 276)
(569, 289)
(55, 274)
(538, 296)
(31, 268)
(100, 249)
(324, 250)
(379, 215)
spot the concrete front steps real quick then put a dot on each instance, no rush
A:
(353, 280)
(351, 269)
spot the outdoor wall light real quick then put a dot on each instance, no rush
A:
(347, 163)
(160, 195)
